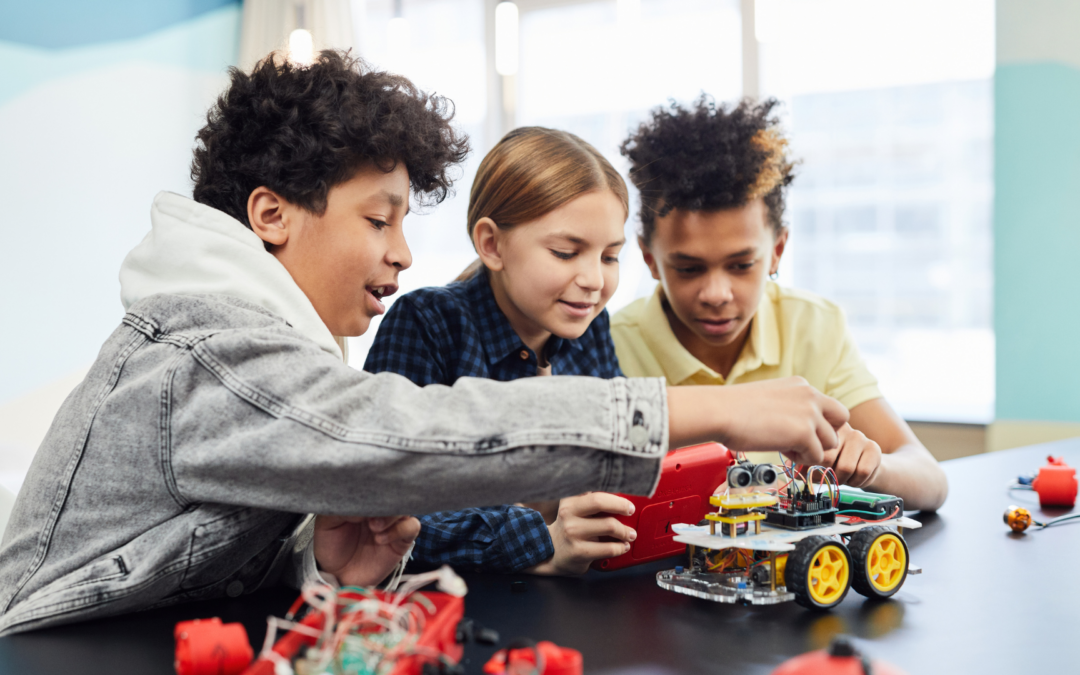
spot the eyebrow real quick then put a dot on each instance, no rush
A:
(692, 258)
(745, 252)
(581, 242)
(394, 199)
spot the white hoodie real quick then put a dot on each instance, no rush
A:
(196, 249)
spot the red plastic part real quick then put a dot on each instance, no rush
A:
(557, 660)
(1056, 483)
(820, 663)
(440, 634)
(688, 477)
(209, 647)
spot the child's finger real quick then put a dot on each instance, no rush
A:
(599, 550)
(591, 529)
(404, 531)
(845, 465)
(383, 523)
(593, 503)
(867, 466)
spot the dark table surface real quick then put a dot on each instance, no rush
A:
(988, 601)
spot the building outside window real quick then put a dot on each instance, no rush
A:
(439, 45)
(889, 105)
(890, 109)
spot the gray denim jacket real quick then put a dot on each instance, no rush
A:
(183, 466)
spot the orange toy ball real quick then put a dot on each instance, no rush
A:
(1018, 519)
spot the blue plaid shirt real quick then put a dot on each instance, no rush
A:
(435, 336)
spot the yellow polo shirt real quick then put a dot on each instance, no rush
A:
(794, 332)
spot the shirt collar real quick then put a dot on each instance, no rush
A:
(679, 365)
(500, 340)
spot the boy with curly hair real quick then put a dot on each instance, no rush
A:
(712, 180)
(220, 412)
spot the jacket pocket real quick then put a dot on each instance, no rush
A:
(229, 541)
(79, 593)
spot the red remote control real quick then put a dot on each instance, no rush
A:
(688, 477)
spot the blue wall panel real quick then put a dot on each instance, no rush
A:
(55, 24)
(1037, 241)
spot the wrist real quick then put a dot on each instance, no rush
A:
(697, 414)
(546, 568)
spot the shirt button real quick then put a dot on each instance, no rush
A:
(235, 588)
(638, 436)
(524, 355)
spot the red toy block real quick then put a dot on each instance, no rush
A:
(1056, 483)
(557, 660)
(209, 647)
(841, 658)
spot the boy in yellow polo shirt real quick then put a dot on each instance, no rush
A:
(712, 182)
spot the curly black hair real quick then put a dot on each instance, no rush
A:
(303, 130)
(707, 157)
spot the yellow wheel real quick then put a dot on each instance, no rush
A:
(880, 561)
(818, 572)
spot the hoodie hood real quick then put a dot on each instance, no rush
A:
(195, 249)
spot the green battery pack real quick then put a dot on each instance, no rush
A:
(869, 503)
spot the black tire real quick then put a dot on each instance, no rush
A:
(797, 572)
(860, 545)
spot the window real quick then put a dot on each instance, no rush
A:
(889, 105)
(439, 45)
(596, 69)
(890, 108)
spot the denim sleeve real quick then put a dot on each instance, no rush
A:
(265, 418)
(408, 343)
(494, 539)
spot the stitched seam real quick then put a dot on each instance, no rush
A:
(84, 582)
(210, 552)
(273, 406)
(615, 477)
(152, 330)
(45, 539)
(147, 327)
(165, 428)
(50, 610)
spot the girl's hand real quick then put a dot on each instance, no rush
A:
(582, 533)
(857, 459)
(362, 551)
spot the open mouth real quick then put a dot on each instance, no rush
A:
(578, 309)
(377, 293)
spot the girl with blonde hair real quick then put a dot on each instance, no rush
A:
(546, 216)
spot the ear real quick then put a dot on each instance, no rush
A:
(486, 239)
(778, 250)
(650, 260)
(266, 213)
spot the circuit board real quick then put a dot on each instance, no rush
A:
(774, 539)
(735, 587)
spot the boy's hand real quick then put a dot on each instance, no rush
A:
(362, 551)
(581, 531)
(786, 415)
(857, 460)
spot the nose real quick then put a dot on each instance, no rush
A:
(590, 275)
(717, 290)
(398, 253)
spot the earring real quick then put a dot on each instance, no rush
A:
(774, 275)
